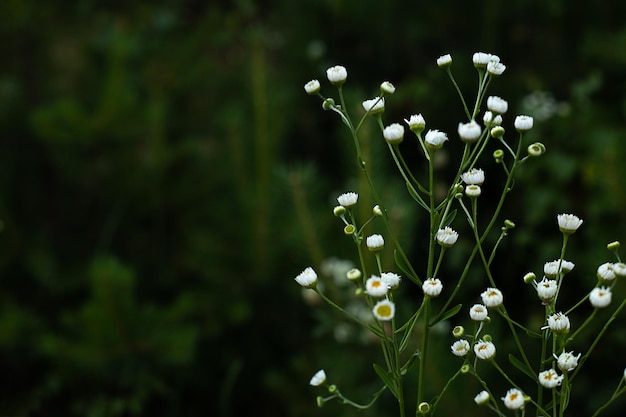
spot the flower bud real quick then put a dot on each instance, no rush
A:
(337, 75)
(498, 155)
(312, 87)
(416, 123)
(536, 149)
(458, 331)
(339, 211)
(523, 123)
(423, 408)
(613, 246)
(497, 132)
(529, 277)
(377, 211)
(328, 104)
(394, 133)
(354, 274)
(350, 229)
(387, 88)
(444, 61)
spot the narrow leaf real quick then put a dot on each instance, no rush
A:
(387, 379)
(522, 367)
(450, 313)
(404, 266)
(416, 196)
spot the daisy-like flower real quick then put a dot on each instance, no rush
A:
(490, 120)
(497, 104)
(375, 242)
(376, 287)
(447, 237)
(550, 379)
(391, 279)
(551, 269)
(546, 289)
(416, 122)
(460, 348)
(605, 272)
(514, 399)
(568, 223)
(558, 323)
(348, 200)
(394, 133)
(469, 132)
(432, 287)
(495, 68)
(567, 361)
(482, 398)
(478, 312)
(312, 87)
(523, 123)
(474, 176)
(497, 132)
(600, 297)
(620, 269)
(318, 379)
(354, 274)
(481, 59)
(492, 297)
(307, 278)
(375, 105)
(484, 350)
(444, 61)
(434, 139)
(384, 310)
(387, 88)
(337, 75)
(377, 211)
(473, 191)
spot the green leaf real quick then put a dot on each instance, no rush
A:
(452, 312)
(404, 266)
(449, 218)
(416, 196)
(387, 379)
(409, 364)
(522, 367)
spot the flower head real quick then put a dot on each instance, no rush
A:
(416, 123)
(481, 59)
(473, 191)
(497, 104)
(567, 361)
(460, 347)
(354, 274)
(523, 123)
(495, 68)
(444, 61)
(387, 88)
(337, 75)
(447, 237)
(434, 139)
(490, 120)
(432, 287)
(391, 279)
(546, 289)
(384, 310)
(375, 242)
(469, 132)
(348, 200)
(558, 323)
(318, 379)
(307, 278)
(478, 312)
(606, 272)
(620, 269)
(600, 297)
(552, 269)
(492, 297)
(394, 133)
(482, 398)
(514, 399)
(312, 87)
(550, 379)
(474, 176)
(568, 223)
(375, 286)
(484, 350)
(375, 105)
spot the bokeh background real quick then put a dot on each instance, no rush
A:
(163, 177)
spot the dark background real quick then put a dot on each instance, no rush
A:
(163, 177)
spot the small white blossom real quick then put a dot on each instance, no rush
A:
(567, 361)
(550, 379)
(387, 88)
(307, 278)
(473, 191)
(605, 272)
(375, 105)
(318, 379)
(523, 123)
(514, 399)
(497, 104)
(337, 75)
(481, 59)
(376, 287)
(312, 87)
(434, 139)
(354, 274)
(416, 122)
(474, 176)
(568, 223)
(469, 132)
(432, 287)
(348, 200)
(460, 348)
(394, 133)
(620, 269)
(391, 279)
(375, 242)
(484, 350)
(495, 68)
(492, 297)
(600, 297)
(478, 312)
(447, 237)
(546, 289)
(444, 61)
(490, 120)
(558, 323)
(384, 310)
(377, 211)
(482, 398)
(551, 269)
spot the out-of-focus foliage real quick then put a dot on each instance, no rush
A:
(163, 177)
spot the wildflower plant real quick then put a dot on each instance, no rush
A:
(538, 380)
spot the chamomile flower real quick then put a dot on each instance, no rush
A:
(307, 278)
(497, 104)
(384, 310)
(375, 105)
(558, 323)
(484, 350)
(460, 347)
(605, 272)
(600, 297)
(478, 312)
(444, 61)
(492, 297)
(469, 132)
(432, 287)
(473, 191)
(391, 279)
(550, 379)
(312, 87)
(394, 133)
(375, 242)
(318, 379)
(546, 289)
(337, 75)
(376, 287)
(568, 223)
(523, 123)
(567, 361)
(434, 139)
(620, 269)
(416, 122)
(446, 237)
(514, 399)
(482, 398)
(348, 200)
(474, 176)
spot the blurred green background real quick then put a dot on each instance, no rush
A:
(163, 177)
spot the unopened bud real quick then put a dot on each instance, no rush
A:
(339, 211)
(536, 149)
(377, 211)
(328, 104)
(350, 229)
(423, 408)
(458, 331)
(498, 155)
(529, 277)
(497, 132)
(613, 246)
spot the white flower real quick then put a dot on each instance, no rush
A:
(384, 310)
(392, 280)
(348, 200)
(568, 223)
(473, 191)
(469, 132)
(432, 287)
(337, 75)
(558, 323)
(490, 120)
(354, 274)
(551, 269)
(312, 87)
(625, 374)
(474, 176)
(605, 272)
(416, 122)
(619, 269)
(482, 398)
(318, 379)
(523, 123)
(377, 211)
(492, 297)
(478, 312)
(375, 105)
(444, 61)
(375, 286)
(546, 289)
(375, 242)
(600, 297)
(481, 59)
(514, 399)
(460, 348)
(550, 379)
(387, 88)
(307, 278)
(484, 350)
(447, 237)
(495, 68)
(497, 104)
(434, 139)
(567, 361)
(394, 133)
